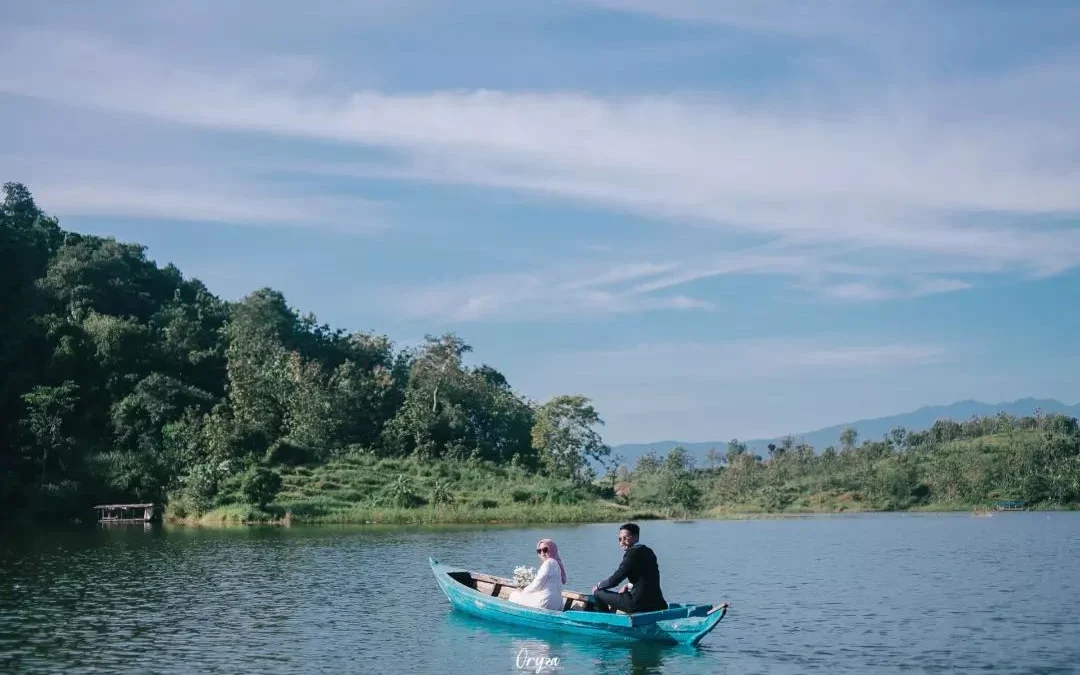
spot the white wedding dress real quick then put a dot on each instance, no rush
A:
(545, 590)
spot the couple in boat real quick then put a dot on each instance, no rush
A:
(638, 567)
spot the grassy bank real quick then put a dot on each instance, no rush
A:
(245, 514)
(395, 491)
(952, 467)
(1034, 461)
(822, 504)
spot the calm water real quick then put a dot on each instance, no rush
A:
(853, 594)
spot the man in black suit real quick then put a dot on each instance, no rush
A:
(639, 567)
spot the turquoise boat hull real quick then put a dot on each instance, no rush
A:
(684, 624)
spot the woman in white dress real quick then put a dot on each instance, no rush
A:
(545, 590)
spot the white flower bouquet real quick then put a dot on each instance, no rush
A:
(523, 576)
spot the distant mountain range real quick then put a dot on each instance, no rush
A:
(917, 420)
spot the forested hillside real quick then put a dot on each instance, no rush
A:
(121, 380)
(124, 381)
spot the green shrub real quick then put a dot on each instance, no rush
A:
(401, 493)
(521, 496)
(283, 451)
(260, 485)
(200, 487)
(441, 494)
(563, 493)
(777, 498)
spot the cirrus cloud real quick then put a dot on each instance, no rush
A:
(950, 176)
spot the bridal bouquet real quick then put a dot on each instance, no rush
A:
(523, 576)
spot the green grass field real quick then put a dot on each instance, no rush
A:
(958, 475)
(395, 491)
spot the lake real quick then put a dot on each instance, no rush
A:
(875, 593)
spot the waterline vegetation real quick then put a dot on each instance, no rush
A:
(951, 466)
(124, 381)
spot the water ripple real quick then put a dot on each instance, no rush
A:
(872, 594)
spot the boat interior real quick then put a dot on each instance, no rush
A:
(501, 588)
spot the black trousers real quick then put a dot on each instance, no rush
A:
(622, 601)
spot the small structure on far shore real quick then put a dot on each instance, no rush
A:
(126, 513)
(1010, 505)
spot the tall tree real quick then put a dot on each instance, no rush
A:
(847, 439)
(258, 363)
(564, 436)
(27, 239)
(48, 418)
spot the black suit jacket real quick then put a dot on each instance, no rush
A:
(639, 567)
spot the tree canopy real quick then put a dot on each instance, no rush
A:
(121, 379)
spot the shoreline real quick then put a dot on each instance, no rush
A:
(401, 518)
(210, 521)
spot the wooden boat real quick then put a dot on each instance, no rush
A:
(486, 597)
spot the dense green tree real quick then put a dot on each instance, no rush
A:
(28, 238)
(453, 411)
(668, 483)
(735, 449)
(564, 437)
(48, 419)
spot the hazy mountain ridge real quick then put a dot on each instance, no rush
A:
(916, 420)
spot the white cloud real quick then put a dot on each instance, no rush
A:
(595, 288)
(198, 205)
(909, 174)
(864, 291)
(731, 360)
(905, 34)
(64, 186)
(584, 287)
(747, 262)
(617, 274)
(829, 17)
(566, 291)
(870, 174)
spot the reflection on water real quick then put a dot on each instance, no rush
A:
(575, 653)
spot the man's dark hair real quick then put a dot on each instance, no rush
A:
(632, 528)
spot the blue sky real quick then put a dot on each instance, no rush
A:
(714, 218)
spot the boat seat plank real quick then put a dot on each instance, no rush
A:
(492, 579)
(500, 587)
